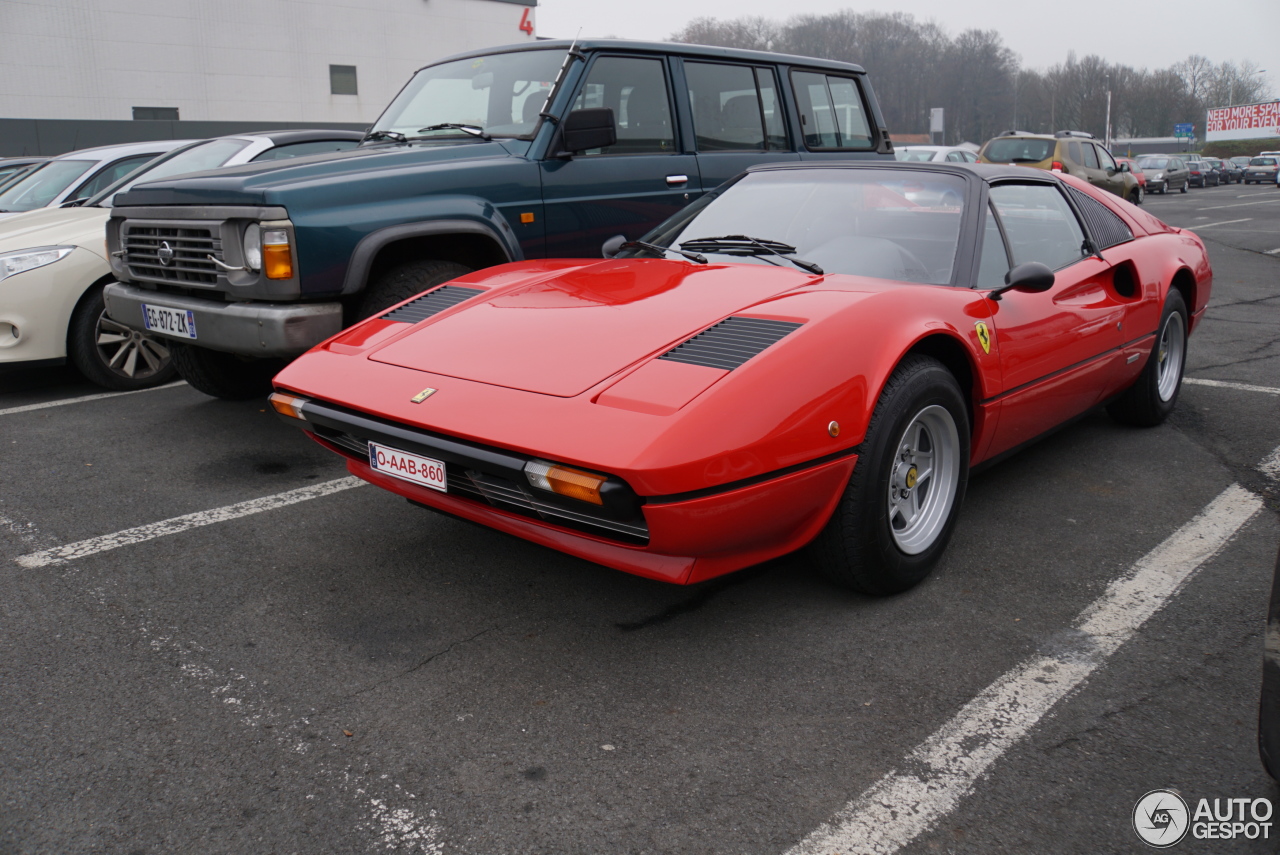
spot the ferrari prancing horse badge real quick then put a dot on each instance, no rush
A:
(984, 336)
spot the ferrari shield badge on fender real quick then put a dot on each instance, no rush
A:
(422, 396)
(984, 336)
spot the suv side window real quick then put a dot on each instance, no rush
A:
(1039, 223)
(636, 90)
(1073, 152)
(1105, 158)
(728, 107)
(832, 114)
(1090, 156)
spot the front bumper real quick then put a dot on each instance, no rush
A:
(682, 539)
(248, 328)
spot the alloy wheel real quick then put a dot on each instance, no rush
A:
(924, 479)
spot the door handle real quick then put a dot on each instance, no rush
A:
(677, 179)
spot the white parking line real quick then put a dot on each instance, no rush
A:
(943, 769)
(1223, 223)
(1226, 384)
(1275, 251)
(1271, 466)
(1239, 204)
(83, 398)
(129, 536)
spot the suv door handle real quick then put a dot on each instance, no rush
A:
(677, 179)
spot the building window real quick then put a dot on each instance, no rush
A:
(161, 114)
(342, 80)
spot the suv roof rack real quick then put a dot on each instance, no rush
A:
(1084, 134)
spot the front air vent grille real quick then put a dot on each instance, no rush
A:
(431, 303)
(730, 343)
(173, 253)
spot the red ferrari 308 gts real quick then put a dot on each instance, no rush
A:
(812, 355)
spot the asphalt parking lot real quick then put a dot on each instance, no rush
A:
(215, 643)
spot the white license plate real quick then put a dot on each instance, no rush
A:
(176, 322)
(409, 467)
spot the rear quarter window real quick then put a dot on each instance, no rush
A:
(832, 111)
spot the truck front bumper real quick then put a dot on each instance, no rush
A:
(248, 329)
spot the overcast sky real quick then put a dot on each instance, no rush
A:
(1152, 35)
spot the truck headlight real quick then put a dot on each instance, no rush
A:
(253, 247)
(13, 263)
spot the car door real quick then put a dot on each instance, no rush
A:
(737, 118)
(1112, 177)
(627, 188)
(1175, 177)
(1059, 349)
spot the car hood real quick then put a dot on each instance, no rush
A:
(56, 227)
(269, 182)
(565, 333)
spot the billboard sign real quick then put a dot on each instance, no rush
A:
(1184, 130)
(1246, 122)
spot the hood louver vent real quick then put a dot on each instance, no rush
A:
(431, 303)
(730, 343)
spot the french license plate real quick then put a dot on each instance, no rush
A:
(162, 319)
(409, 467)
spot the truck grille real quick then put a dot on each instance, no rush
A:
(173, 253)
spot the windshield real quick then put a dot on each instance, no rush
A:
(916, 156)
(43, 185)
(206, 155)
(1019, 150)
(501, 94)
(1153, 163)
(890, 224)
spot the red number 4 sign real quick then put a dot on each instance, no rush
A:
(526, 26)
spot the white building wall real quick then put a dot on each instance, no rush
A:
(231, 60)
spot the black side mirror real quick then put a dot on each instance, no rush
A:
(613, 246)
(1124, 167)
(1032, 277)
(587, 129)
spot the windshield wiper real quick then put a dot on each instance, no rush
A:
(394, 136)
(692, 256)
(745, 245)
(474, 130)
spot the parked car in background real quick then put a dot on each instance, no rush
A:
(1200, 173)
(1262, 170)
(744, 297)
(1241, 160)
(53, 267)
(1231, 172)
(1132, 166)
(1071, 152)
(14, 167)
(78, 175)
(540, 150)
(1220, 171)
(934, 153)
(1164, 173)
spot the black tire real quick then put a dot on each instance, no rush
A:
(112, 355)
(1184, 187)
(1136, 196)
(860, 546)
(1153, 396)
(405, 281)
(224, 375)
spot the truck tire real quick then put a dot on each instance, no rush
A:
(224, 375)
(407, 280)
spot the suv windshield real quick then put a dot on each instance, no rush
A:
(886, 223)
(501, 94)
(206, 155)
(1019, 150)
(43, 186)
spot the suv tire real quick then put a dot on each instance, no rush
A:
(405, 281)
(224, 375)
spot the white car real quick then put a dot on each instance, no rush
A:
(944, 153)
(53, 267)
(79, 175)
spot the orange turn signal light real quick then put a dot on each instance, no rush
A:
(286, 405)
(565, 481)
(277, 258)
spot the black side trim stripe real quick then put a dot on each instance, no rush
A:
(1007, 392)
(431, 303)
(755, 479)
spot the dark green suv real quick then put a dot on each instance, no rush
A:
(1073, 152)
(542, 149)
